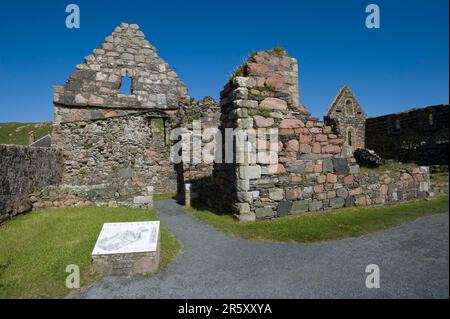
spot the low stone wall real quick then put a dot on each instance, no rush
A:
(67, 196)
(23, 170)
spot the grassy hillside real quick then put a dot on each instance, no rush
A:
(17, 133)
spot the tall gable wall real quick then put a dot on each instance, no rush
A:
(93, 90)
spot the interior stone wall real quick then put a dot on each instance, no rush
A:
(200, 121)
(128, 153)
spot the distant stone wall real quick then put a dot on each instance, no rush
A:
(22, 171)
(349, 118)
(313, 171)
(420, 135)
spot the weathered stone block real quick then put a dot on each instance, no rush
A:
(276, 194)
(284, 207)
(264, 212)
(247, 217)
(342, 192)
(273, 104)
(315, 205)
(296, 167)
(242, 185)
(337, 202)
(250, 172)
(299, 207)
(328, 166)
(341, 166)
(350, 201)
(243, 208)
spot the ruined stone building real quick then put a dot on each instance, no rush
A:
(349, 117)
(417, 135)
(313, 171)
(113, 148)
(116, 144)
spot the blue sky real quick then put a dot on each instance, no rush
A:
(402, 65)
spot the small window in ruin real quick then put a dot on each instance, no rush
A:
(430, 119)
(350, 138)
(338, 111)
(397, 124)
(126, 85)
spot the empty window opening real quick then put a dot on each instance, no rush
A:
(397, 124)
(430, 119)
(126, 85)
(350, 138)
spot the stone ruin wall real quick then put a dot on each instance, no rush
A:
(348, 116)
(419, 136)
(22, 171)
(116, 144)
(313, 172)
(116, 148)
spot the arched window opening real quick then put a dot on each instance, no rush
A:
(350, 138)
(126, 87)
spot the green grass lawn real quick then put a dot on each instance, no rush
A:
(17, 133)
(332, 225)
(36, 248)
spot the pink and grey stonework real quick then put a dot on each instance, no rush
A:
(113, 149)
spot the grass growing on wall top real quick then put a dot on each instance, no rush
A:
(36, 248)
(325, 226)
(17, 133)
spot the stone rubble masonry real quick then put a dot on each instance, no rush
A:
(198, 176)
(315, 171)
(23, 170)
(110, 149)
(119, 141)
(417, 135)
(126, 153)
(93, 90)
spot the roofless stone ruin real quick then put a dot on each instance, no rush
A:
(114, 146)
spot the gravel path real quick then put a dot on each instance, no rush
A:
(413, 261)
